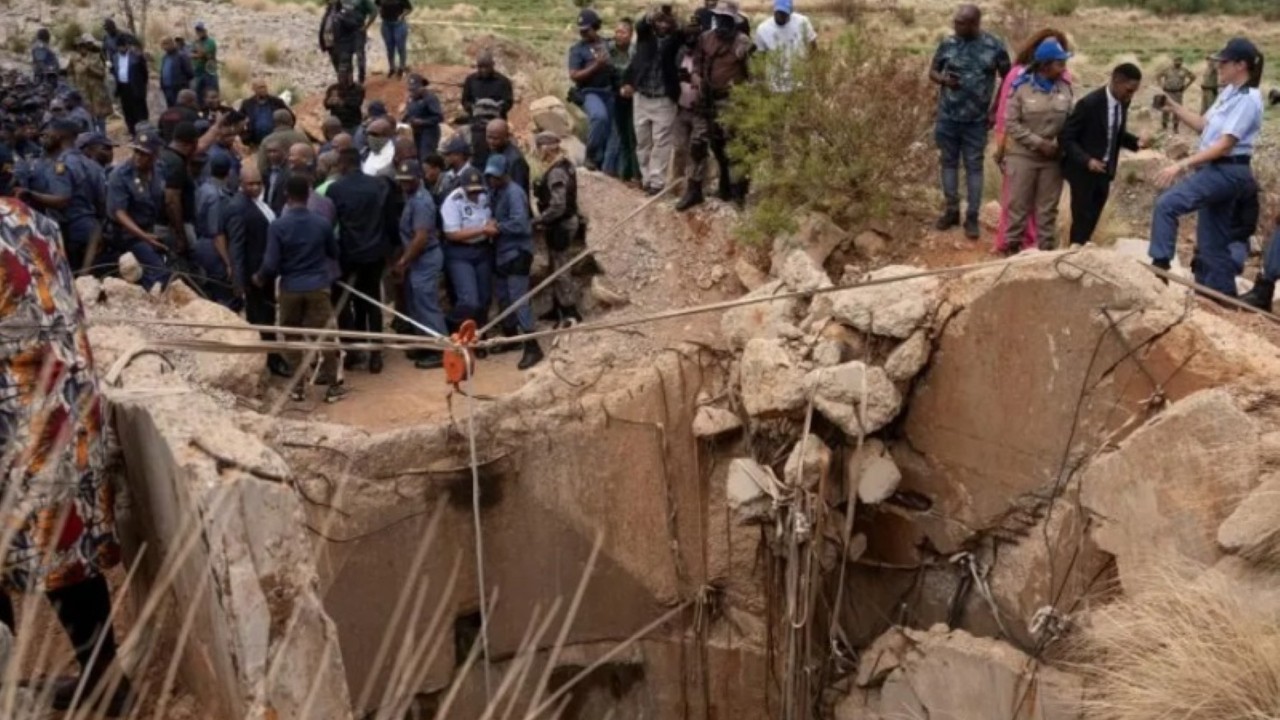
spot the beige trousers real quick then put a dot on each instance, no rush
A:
(655, 120)
(1035, 186)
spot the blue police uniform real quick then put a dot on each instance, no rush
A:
(469, 265)
(426, 270)
(217, 150)
(211, 203)
(1215, 190)
(73, 176)
(143, 200)
(428, 110)
(513, 250)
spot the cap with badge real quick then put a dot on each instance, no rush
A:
(471, 180)
(588, 18)
(495, 166)
(409, 170)
(147, 142)
(1238, 49)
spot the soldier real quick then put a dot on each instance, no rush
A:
(135, 201)
(558, 219)
(1209, 86)
(719, 63)
(1174, 81)
(88, 73)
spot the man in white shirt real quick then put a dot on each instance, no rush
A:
(783, 37)
(468, 249)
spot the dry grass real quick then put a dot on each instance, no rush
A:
(235, 71)
(1185, 649)
(271, 53)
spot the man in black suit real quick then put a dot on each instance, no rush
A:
(131, 81)
(1091, 142)
(247, 221)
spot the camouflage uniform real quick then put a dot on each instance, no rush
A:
(1209, 87)
(557, 194)
(1174, 80)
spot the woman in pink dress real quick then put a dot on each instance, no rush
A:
(1020, 62)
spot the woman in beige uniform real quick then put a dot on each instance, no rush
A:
(1034, 117)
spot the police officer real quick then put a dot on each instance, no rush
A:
(135, 203)
(1221, 175)
(97, 147)
(468, 252)
(424, 114)
(422, 262)
(557, 193)
(211, 250)
(71, 189)
(456, 153)
(513, 255)
(44, 61)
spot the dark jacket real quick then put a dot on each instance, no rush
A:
(300, 245)
(246, 229)
(176, 70)
(255, 109)
(137, 87)
(1084, 136)
(360, 202)
(497, 87)
(652, 49)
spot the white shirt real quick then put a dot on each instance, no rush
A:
(459, 213)
(785, 42)
(1113, 123)
(122, 68)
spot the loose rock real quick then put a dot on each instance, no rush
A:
(772, 383)
(1253, 530)
(870, 473)
(816, 235)
(909, 358)
(550, 115)
(858, 398)
(713, 422)
(808, 464)
(893, 310)
(745, 489)
(772, 319)
(870, 244)
(799, 272)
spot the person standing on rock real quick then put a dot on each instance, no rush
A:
(61, 505)
(591, 70)
(300, 250)
(620, 156)
(1091, 141)
(247, 222)
(513, 257)
(70, 189)
(423, 114)
(486, 83)
(131, 82)
(1036, 113)
(176, 72)
(1174, 81)
(720, 62)
(968, 67)
(783, 38)
(345, 100)
(44, 61)
(559, 222)
(259, 111)
(204, 58)
(1221, 171)
(88, 74)
(211, 250)
(421, 263)
(654, 78)
(395, 33)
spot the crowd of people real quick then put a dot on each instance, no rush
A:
(1046, 136)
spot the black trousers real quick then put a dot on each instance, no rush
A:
(84, 611)
(260, 308)
(134, 109)
(363, 316)
(1088, 199)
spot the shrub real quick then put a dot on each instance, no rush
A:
(1183, 648)
(271, 54)
(69, 34)
(850, 140)
(235, 70)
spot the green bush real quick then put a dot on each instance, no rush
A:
(851, 140)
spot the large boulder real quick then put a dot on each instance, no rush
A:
(712, 422)
(909, 358)
(859, 398)
(747, 490)
(550, 115)
(239, 373)
(894, 309)
(771, 381)
(773, 319)
(1253, 530)
(816, 235)
(1162, 495)
(945, 673)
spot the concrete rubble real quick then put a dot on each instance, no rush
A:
(989, 457)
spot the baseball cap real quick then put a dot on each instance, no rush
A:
(496, 166)
(89, 139)
(783, 6)
(456, 144)
(409, 170)
(377, 108)
(1238, 49)
(1050, 50)
(545, 138)
(147, 142)
(200, 25)
(220, 165)
(471, 180)
(588, 18)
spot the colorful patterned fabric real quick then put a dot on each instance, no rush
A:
(58, 507)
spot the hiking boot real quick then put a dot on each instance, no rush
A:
(532, 355)
(354, 360)
(335, 393)
(1163, 265)
(971, 230)
(375, 363)
(429, 360)
(949, 219)
(278, 366)
(1261, 296)
(692, 196)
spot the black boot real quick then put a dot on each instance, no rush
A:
(508, 347)
(569, 316)
(278, 367)
(1261, 295)
(429, 360)
(726, 187)
(740, 191)
(692, 196)
(532, 355)
(553, 315)
(1163, 265)
(375, 363)
(949, 219)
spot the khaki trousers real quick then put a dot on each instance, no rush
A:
(309, 310)
(1035, 186)
(655, 120)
